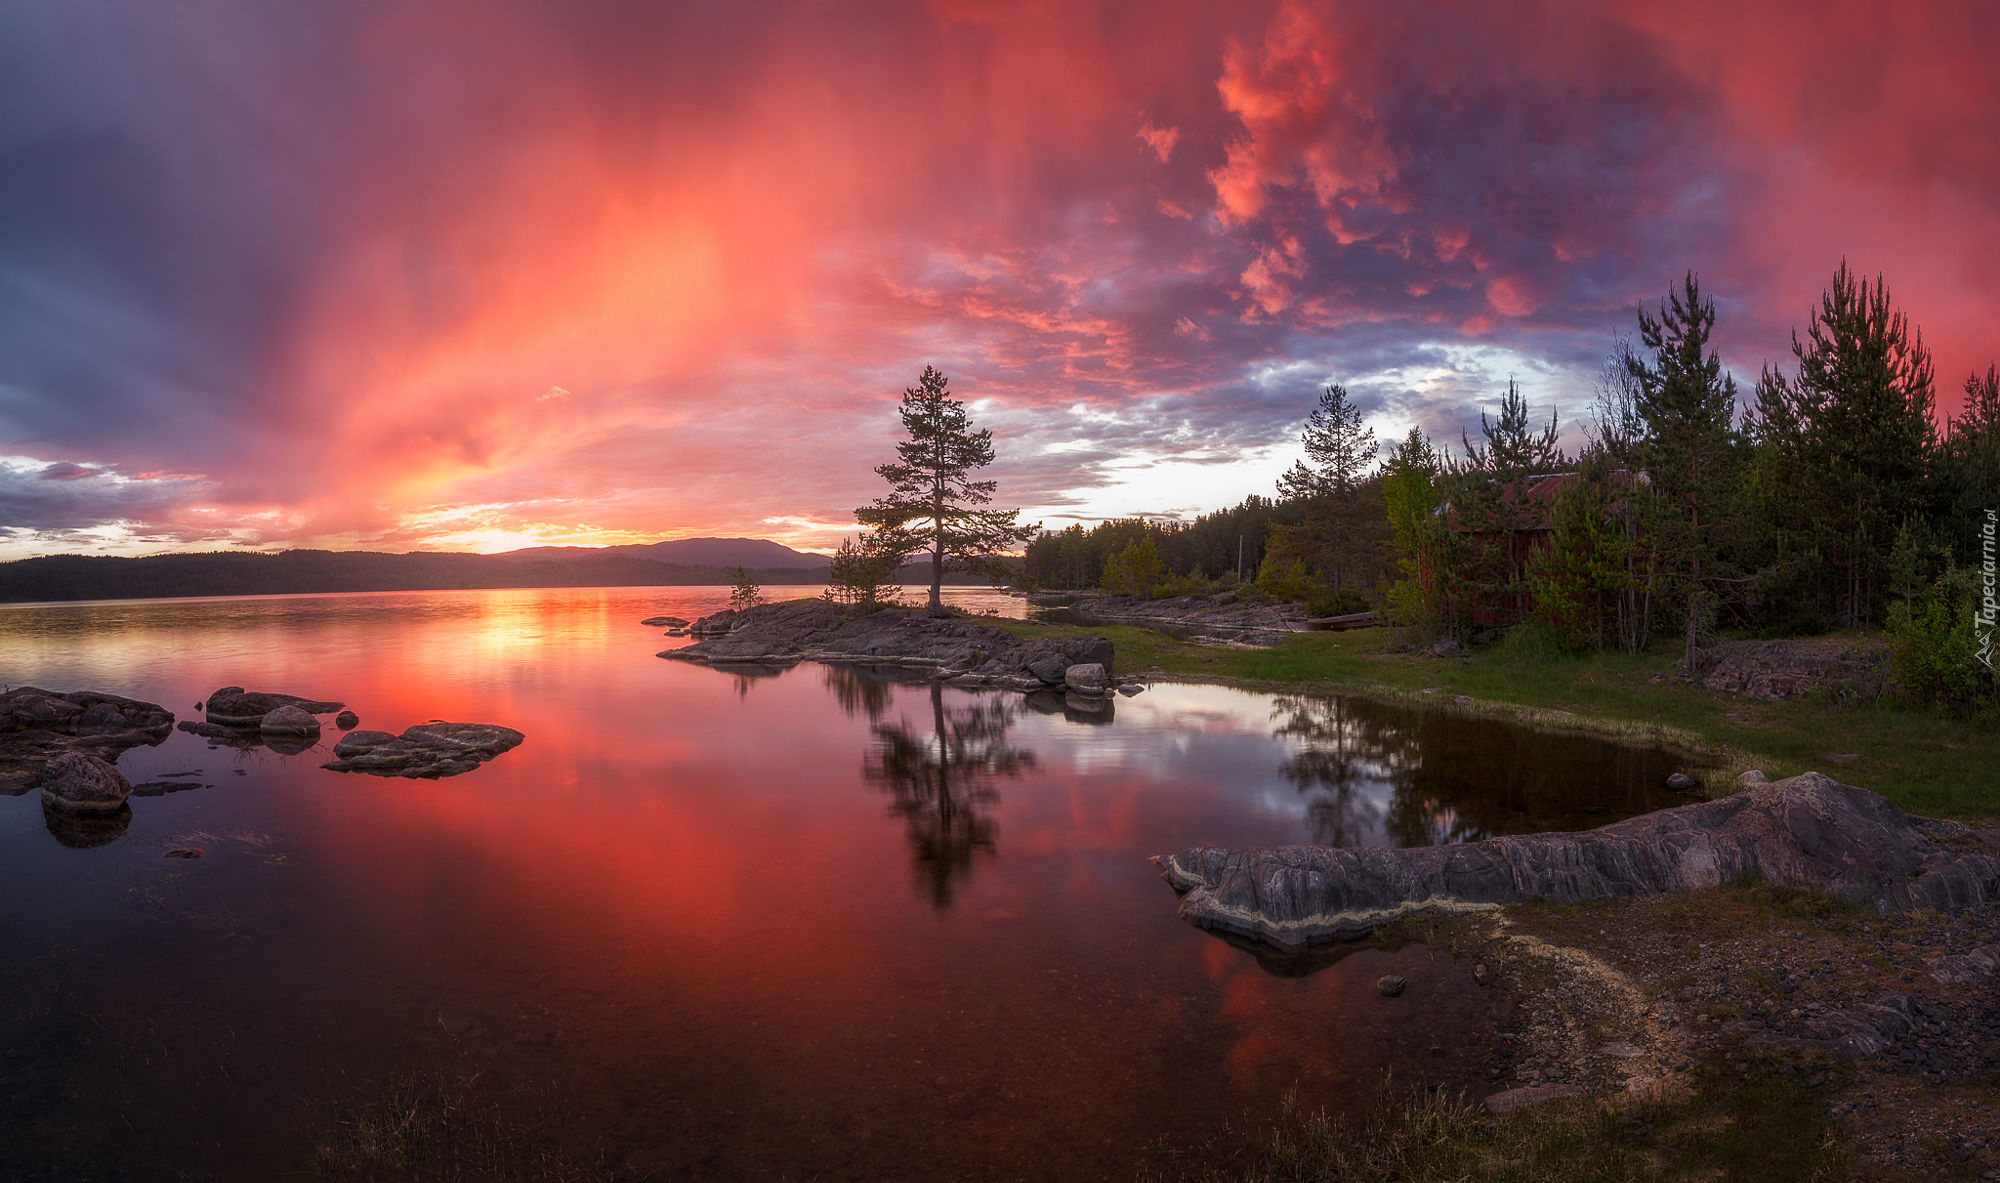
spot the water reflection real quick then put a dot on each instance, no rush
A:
(1372, 774)
(1091, 710)
(860, 690)
(82, 831)
(943, 785)
(1341, 752)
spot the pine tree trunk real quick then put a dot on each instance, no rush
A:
(937, 577)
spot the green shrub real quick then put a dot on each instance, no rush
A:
(1937, 654)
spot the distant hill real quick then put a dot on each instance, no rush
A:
(753, 553)
(294, 572)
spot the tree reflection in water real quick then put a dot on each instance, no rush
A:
(1348, 747)
(942, 785)
(1374, 774)
(860, 690)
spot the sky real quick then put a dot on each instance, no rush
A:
(480, 274)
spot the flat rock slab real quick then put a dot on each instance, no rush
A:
(426, 750)
(160, 788)
(233, 706)
(1808, 832)
(38, 725)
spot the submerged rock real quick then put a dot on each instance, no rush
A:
(347, 720)
(37, 725)
(233, 706)
(1809, 831)
(664, 622)
(216, 731)
(428, 749)
(80, 783)
(160, 788)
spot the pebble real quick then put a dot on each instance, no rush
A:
(1390, 985)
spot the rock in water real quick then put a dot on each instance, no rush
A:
(428, 749)
(289, 720)
(664, 622)
(1681, 782)
(233, 706)
(80, 783)
(1086, 678)
(1809, 832)
(1390, 985)
(36, 725)
(347, 720)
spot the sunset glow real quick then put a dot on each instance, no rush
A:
(477, 277)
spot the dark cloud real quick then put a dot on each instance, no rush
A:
(334, 258)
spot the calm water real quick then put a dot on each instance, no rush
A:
(719, 924)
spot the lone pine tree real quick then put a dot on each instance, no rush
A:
(933, 504)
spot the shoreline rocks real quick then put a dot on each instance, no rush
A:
(971, 653)
(38, 725)
(1252, 620)
(426, 750)
(1809, 831)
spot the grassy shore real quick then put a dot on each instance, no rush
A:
(1925, 761)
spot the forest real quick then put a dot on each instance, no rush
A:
(1831, 496)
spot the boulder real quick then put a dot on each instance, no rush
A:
(426, 750)
(36, 725)
(1681, 782)
(233, 706)
(81, 783)
(1809, 832)
(289, 720)
(1087, 678)
(1753, 777)
(347, 720)
(1048, 667)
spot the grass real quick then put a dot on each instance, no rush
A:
(1925, 761)
(1751, 1123)
(440, 1126)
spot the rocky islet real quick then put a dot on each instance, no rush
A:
(966, 651)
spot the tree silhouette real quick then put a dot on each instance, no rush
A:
(942, 786)
(932, 503)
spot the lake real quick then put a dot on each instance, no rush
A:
(707, 924)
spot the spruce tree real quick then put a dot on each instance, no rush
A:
(1689, 448)
(1340, 448)
(1491, 497)
(933, 504)
(1854, 425)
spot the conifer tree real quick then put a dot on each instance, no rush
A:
(1854, 428)
(1334, 524)
(1690, 451)
(933, 504)
(1490, 496)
